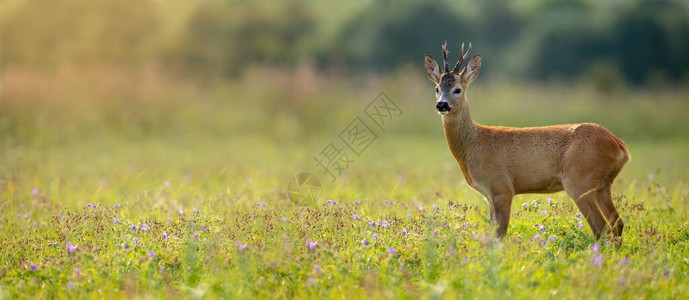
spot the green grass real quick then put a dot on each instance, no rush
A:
(234, 146)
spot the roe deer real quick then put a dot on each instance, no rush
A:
(500, 162)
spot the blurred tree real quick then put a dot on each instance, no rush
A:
(50, 33)
(222, 39)
(388, 34)
(652, 38)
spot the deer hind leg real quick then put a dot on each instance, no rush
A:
(604, 197)
(585, 196)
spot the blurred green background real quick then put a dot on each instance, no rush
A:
(128, 94)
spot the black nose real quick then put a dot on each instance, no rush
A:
(442, 107)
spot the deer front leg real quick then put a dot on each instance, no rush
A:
(501, 207)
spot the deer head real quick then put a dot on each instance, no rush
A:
(451, 85)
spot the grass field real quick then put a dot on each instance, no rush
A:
(126, 187)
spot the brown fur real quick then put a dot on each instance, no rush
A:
(500, 162)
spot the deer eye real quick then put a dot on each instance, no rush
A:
(457, 91)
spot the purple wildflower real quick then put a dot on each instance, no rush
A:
(195, 211)
(375, 237)
(356, 217)
(579, 215)
(284, 219)
(391, 251)
(317, 268)
(71, 247)
(598, 259)
(169, 219)
(465, 225)
(261, 205)
(435, 231)
(442, 224)
(434, 207)
(366, 243)
(33, 268)
(403, 266)
(534, 204)
(135, 240)
(196, 235)
(596, 247)
(384, 224)
(162, 269)
(451, 250)
(404, 232)
(241, 247)
(144, 227)
(581, 224)
(126, 246)
(114, 219)
(180, 211)
(164, 235)
(552, 238)
(545, 212)
(166, 184)
(374, 224)
(117, 205)
(34, 192)
(650, 176)
(666, 272)
(537, 237)
(525, 205)
(408, 215)
(541, 228)
(331, 202)
(203, 228)
(420, 207)
(311, 281)
(77, 272)
(357, 201)
(151, 254)
(35, 223)
(388, 202)
(133, 227)
(624, 262)
(550, 199)
(91, 205)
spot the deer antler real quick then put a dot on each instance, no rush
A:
(462, 56)
(447, 67)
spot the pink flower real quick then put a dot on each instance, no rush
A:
(71, 247)
(312, 245)
(241, 247)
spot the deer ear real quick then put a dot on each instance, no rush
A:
(432, 69)
(471, 71)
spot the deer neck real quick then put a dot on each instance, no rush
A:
(461, 134)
